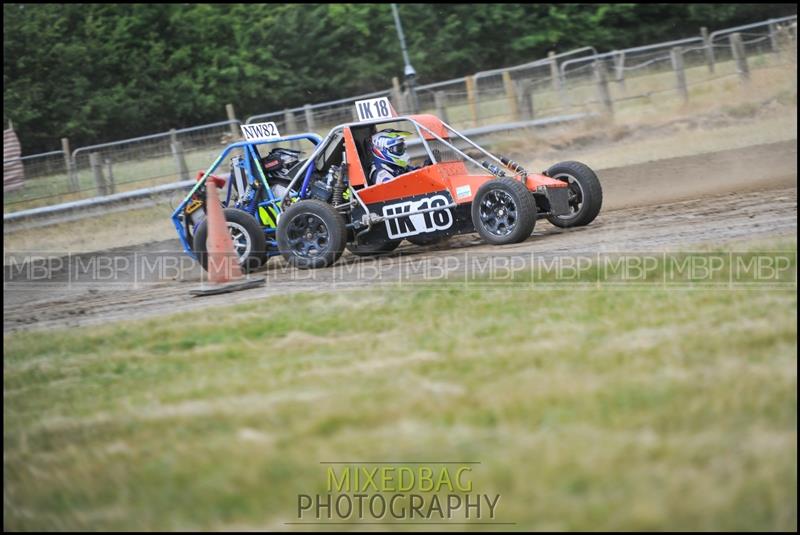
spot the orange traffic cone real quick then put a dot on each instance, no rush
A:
(223, 262)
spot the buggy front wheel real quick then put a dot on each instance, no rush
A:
(585, 195)
(248, 240)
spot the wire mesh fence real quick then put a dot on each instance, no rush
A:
(578, 81)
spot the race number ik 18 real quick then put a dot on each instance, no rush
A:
(374, 108)
(259, 131)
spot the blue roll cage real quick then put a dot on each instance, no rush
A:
(252, 155)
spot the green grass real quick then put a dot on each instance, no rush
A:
(588, 407)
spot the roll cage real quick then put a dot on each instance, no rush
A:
(428, 128)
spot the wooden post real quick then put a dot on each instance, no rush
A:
(525, 99)
(180, 159)
(619, 69)
(289, 122)
(708, 49)
(232, 117)
(472, 99)
(511, 94)
(97, 171)
(290, 126)
(680, 73)
(397, 97)
(309, 113)
(440, 101)
(773, 38)
(739, 57)
(601, 77)
(72, 176)
(555, 76)
(112, 187)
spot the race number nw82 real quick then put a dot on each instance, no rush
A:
(374, 108)
(260, 131)
(416, 223)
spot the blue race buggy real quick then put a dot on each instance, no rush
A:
(252, 199)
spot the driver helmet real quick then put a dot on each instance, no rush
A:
(389, 147)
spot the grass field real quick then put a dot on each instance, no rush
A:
(588, 407)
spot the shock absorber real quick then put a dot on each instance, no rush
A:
(338, 186)
(514, 166)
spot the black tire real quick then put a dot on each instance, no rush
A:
(504, 211)
(373, 248)
(246, 233)
(278, 185)
(586, 194)
(311, 234)
(426, 239)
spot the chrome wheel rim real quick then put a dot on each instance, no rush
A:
(242, 243)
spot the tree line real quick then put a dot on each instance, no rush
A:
(101, 72)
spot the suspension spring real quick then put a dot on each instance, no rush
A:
(338, 187)
(514, 166)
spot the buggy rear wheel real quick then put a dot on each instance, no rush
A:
(503, 211)
(426, 239)
(311, 234)
(373, 248)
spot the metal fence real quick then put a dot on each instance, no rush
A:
(118, 166)
(577, 81)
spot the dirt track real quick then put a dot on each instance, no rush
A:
(665, 204)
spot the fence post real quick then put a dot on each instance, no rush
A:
(773, 38)
(397, 97)
(680, 73)
(309, 113)
(472, 99)
(511, 95)
(291, 127)
(440, 101)
(739, 56)
(555, 75)
(601, 77)
(232, 117)
(619, 69)
(288, 120)
(112, 187)
(524, 99)
(708, 48)
(177, 152)
(72, 177)
(97, 171)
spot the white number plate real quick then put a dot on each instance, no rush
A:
(413, 224)
(374, 108)
(260, 131)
